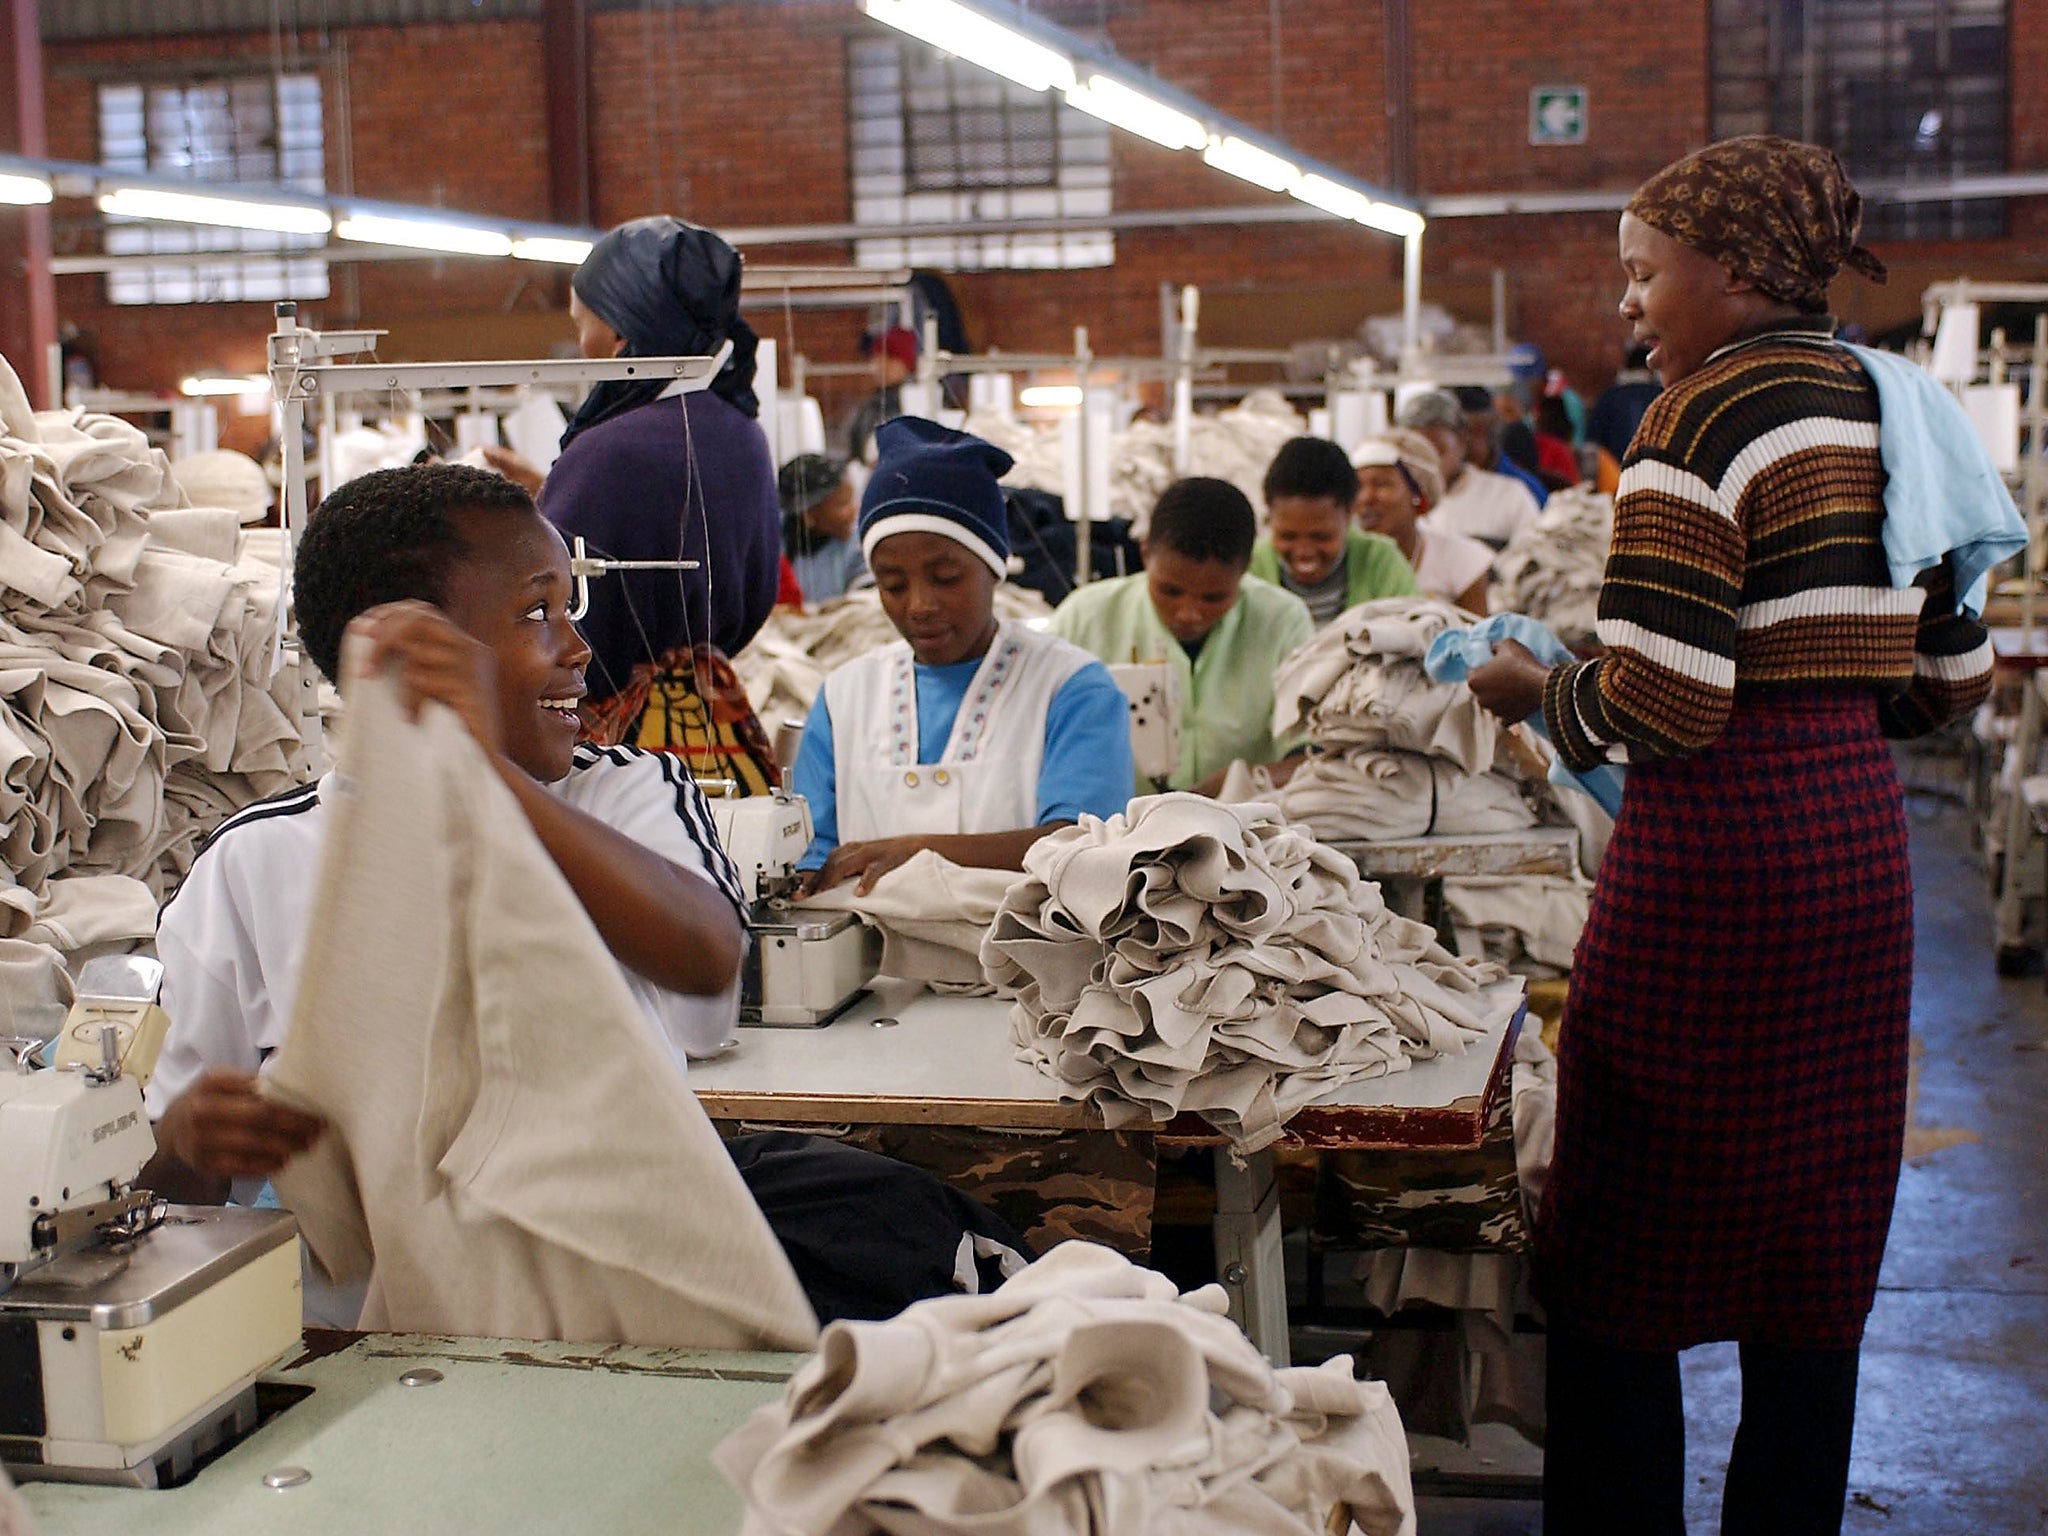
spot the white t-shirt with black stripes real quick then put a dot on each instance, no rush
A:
(231, 938)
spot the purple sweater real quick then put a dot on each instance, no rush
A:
(624, 484)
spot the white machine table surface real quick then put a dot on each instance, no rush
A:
(949, 1061)
(514, 1438)
(1537, 851)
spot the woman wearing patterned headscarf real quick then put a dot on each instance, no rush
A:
(1733, 1060)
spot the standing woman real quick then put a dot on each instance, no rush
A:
(1732, 1089)
(647, 473)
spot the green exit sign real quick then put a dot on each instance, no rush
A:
(1557, 114)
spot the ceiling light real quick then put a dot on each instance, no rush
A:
(1333, 197)
(23, 191)
(424, 235)
(979, 39)
(1045, 396)
(1393, 219)
(1135, 112)
(220, 212)
(1260, 167)
(568, 253)
(206, 384)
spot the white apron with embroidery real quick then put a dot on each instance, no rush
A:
(987, 778)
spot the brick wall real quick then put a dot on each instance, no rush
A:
(733, 114)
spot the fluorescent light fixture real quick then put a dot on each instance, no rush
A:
(1045, 396)
(206, 384)
(1392, 219)
(23, 191)
(1135, 112)
(1260, 167)
(979, 39)
(424, 235)
(219, 212)
(567, 253)
(1333, 197)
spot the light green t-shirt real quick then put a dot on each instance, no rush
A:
(1226, 693)
(1373, 568)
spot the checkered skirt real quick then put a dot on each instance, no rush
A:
(1732, 1062)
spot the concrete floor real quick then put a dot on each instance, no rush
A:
(1952, 1417)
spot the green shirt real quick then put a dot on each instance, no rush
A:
(1373, 567)
(1226, 693)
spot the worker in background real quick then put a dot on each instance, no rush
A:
(463, 589)
(1476, 502)
(971, 737)
(1484, 439)
(1400, 478)
(819, 510)
(892, 359)
(1312, 547)
(650, 473)
(1618, 410)
(1733, 1078)
(1197, 606)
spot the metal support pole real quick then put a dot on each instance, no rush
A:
(28, 290)
(1084, 562)
(1500, 310)
(1184, 378)
(1411, 299)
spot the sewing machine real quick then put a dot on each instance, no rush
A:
(804, 968)
(131, 1332)
(1153, 692)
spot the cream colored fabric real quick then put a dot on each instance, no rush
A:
(35, 991)
(137, 704)
(1552, 569)
(1369, 796)
(513, 1152)
(1190, 955)
(932, 915)
(226, 479)
(1083, 1398)
(15, 1520)
(1526, 922)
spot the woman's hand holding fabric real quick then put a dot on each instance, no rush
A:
(1510, 685)
(433, 658)
(868, 861)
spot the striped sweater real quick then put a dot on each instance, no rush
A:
(1748, 553)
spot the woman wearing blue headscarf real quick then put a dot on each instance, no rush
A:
(648, 473)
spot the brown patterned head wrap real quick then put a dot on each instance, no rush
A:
(1776, 213)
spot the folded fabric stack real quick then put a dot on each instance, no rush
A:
(1084, 1396)
(784, 666)
(1190, 955)
(1552, 569)
(1394, 754)
(137, 707)
(1235, 445)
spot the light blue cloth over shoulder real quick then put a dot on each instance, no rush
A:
(1456, 653)
(1942, 493)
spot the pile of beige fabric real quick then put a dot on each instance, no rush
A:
(1552, 569)
(137, 703)
(1395, 755)
(784, 666)
(1236, 444)
(1191, 955)
(1084, 1396)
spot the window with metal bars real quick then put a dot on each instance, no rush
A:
(255, 129)
(1902, 90)
(935, 140)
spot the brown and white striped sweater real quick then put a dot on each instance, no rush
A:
(1748, 553)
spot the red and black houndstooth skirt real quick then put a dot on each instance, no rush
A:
(1732, 1063)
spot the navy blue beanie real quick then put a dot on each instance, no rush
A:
(931, 479)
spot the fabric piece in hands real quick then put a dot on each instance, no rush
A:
(1083, 1398)
(1551, 571)
(511, 1151)
(1190, 955)
(932, 914)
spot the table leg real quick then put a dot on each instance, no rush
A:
(2025, 748)
(1248, 1254)
(1405, 896)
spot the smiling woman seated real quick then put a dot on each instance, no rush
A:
(1311, 547)
(971, 737)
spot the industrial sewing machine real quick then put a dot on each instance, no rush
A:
(1152, 690)
(805, 968)
(131, 1331)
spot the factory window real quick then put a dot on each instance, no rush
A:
(1902, 90)
(261, 129)
(935, 140)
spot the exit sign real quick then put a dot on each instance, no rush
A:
(1557, 114)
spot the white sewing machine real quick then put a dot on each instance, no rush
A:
(131, 1332)
(1153, 690)
(804, 968)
